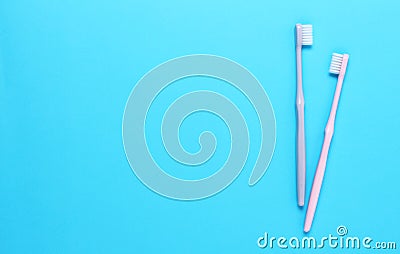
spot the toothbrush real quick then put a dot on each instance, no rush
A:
(338, 67)
(303, 37)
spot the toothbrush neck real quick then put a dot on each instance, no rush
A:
(335, 102)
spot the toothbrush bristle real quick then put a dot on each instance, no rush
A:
(307, 38)
(336, 63)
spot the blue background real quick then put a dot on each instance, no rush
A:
(66, 71)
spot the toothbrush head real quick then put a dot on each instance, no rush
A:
(304, 35)
(338, 63)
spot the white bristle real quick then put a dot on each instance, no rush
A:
(307, 38)
(336, 63)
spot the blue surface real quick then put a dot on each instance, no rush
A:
(66, 71)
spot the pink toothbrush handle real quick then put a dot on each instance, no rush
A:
(329, 129)
(301, 145)
(318, 178)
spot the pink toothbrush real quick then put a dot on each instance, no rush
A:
(338, 66)
(303, 37)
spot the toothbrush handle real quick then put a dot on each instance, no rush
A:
(318, 178)
(301, 157)
(301, 145)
